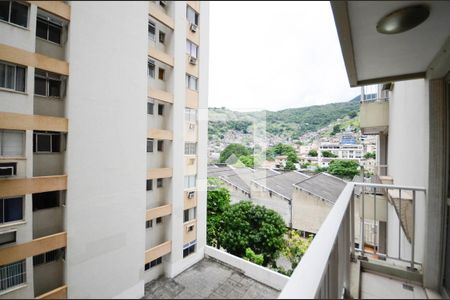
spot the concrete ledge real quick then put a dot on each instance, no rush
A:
(254, 271)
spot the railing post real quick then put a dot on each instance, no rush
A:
(352, 227)
(412, 268)
(399, 222)
(363, 229)
(375, 244)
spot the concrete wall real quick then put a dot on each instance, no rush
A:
(46, 164)
(408, 142)
(106, 243)
(308, 211)
(49, 106)
(167, 46)
(279, 204)
(48, 276)
(48, 221)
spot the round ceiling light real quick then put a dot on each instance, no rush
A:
(403, 19)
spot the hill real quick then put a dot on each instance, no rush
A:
(289, 123)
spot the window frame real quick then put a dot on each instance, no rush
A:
(196, 15)
(159, 183)
(2, 143)
(20, 275)
(49, 22)
(9, 232)
(189, 80)
(51, 134)
(151, 63)
(190, 148)
(2, 212)
(49, 76)
(152, 105)
(162, 37)
(191, 46)
(160, 109)
(14, 88)
(9, 15)
(149, 182)
(152, 24)
(158, 220)
(161, 74)
(160, 146)
(152, 148)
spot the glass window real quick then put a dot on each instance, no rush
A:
(160, 146)
(12, 210)
(158, 220)
(149, 224)
(191, 15)
(150, 108)
(149, 184)
(190, 181)
(10, 76)
(12, 275)
(11, 142)
(4, 10)
(41, 28)
(7, 238)
(160, 109)
(47, 84)
(43, 143)
(151, 30)
(161, 73)
(54, 33)
(190, 148)
(46, 142)
(48, 30)
(186, 215)
(45, 200)
(191, 48)
(2, 74)
(149, 145)
(151, 68)
(54, 88)
(19, 14)
(162, 37)
(159, 182)
(20, 79)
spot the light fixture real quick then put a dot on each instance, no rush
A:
(403, 19)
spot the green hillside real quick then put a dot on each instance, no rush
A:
(292, 122)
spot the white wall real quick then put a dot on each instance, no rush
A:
(106, 156)
(408, 142)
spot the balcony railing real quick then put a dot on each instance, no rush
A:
(324, 271)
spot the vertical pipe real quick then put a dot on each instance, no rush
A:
(413, 229)
(399, 221)
(375, 245)
(352, 225)
(363, 191)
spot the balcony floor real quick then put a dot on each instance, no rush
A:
(375, 286)
(209, 279)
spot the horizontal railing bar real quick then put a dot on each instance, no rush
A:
(391, 186)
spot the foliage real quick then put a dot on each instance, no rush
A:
(336, 129)
(296, 247)
(321, 169)
(370, 155)
(305, 165)
(218, 201)
(237, 149)
(254, 258)
(283, 149)
(290, 166)
(245, 225)
(313, 153)
(327, 153)
(248, 160)
(343, 168)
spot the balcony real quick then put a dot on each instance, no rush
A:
(340, 254)
(374, 110)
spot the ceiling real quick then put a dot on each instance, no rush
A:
(372, 57)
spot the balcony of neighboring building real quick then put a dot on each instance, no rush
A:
(191, 125)
(51, 35)
(159, 118)
(374, 109)
(193, 21)
(48, 153)
(163, 12)
(48, 213)
(158, 152)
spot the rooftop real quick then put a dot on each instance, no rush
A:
(282, 183)
(209, 279)
(324, 185)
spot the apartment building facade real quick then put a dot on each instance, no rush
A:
(103, 145)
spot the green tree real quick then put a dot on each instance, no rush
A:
(370, 155)
(352, 114)
(328, 153)
(245, 225)
(250, 255)
(290, 166)
(218, 201)
(296, 247)
(343, 168)
(313, 153)
(248, 160)
(336, 129)
(292, 156)
(237, 149)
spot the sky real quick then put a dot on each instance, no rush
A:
(275, 55)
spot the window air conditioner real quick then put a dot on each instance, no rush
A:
(191, 195)
(193, 27)
(7, 171)
(192, 60)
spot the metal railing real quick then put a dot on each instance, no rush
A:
(324, 270)
(12, 275)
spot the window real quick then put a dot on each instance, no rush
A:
(47, 257)
(190, 181)
(189, 214)
(48, 29)
(151, 68)
(191, 49)
(150, 108)
(158, 220)
(186, 215)
(191, 82)
(12, 275)
(190, 115)
(149, 184)
(159, 182)
(189, 248)
(45, 200)
(161, 73)
(8, 238)
(191, 15)
(149, 145)
(160, 109)
(151, 30)
(14, 12)
(190, 148)
(163, 3)
(149, 224)
(11, 209)
(12, 77)
(8, 169)
(160, 146)
(11, 142)
(190, 228)
(47, 142)
(153, 263)
(47, 84)
(162, 37)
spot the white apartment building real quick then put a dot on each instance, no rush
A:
(341, 151)
(103, 145)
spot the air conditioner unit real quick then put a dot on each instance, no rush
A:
(189, 228)
(192, 60)
(163, 3)
(7, 171)
(191, 195)
(193, 27)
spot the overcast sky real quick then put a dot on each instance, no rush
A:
(275, 55)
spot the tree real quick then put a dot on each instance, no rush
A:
(250, 255)
(328, 153)
(370, 155)
(290, 166)
(292, 156)
(352, 114)
(245, 225)
(237, 149)
(336, 129)
(313, 153)
(248, 160)
(295, 248)
(218, 201)
(343, 168)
